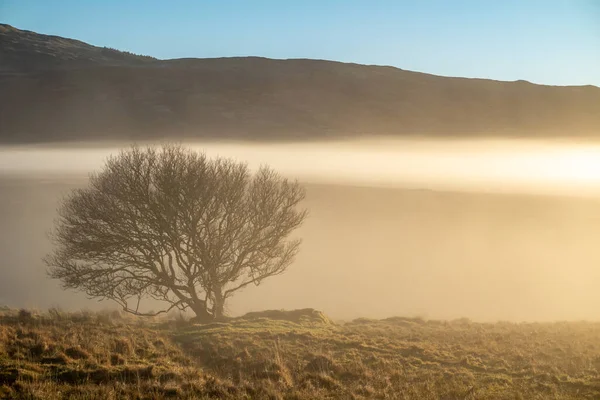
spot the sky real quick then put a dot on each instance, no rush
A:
(554, 42)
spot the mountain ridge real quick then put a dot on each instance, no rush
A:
(192, 59)
(61, 89)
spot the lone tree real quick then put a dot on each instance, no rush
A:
(173, 225)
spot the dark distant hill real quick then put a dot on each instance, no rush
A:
(62, 89)
(25, 51)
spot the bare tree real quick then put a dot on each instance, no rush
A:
(173, 225)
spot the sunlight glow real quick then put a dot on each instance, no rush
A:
(475, 165)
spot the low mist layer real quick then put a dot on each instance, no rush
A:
(556, 167)
(375, 251)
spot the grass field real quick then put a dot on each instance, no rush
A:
(293, 355)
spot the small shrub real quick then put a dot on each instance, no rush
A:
(59, 359)
(25, 315)
(322, 381)
(56, 314)
(123, 346)
(116, 359)
(38, 349)
(77, 353)
(321, 364)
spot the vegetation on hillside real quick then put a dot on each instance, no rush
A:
(293, 355)
(22, 50)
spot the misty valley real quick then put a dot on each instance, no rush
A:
(388, 233)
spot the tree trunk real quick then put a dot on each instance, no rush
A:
(202, 316)
(219, 304)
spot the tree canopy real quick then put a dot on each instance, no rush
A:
(173, 225)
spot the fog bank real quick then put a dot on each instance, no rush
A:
(529, 253)
(550, 167)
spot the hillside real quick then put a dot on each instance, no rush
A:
(25, 51)
(62, 89)
(110, 356)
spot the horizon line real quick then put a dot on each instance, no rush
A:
(311, 59)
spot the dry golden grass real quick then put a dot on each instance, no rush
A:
(296, 355)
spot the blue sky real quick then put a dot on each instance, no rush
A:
(543, 41)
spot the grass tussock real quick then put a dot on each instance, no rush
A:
(293, 355)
